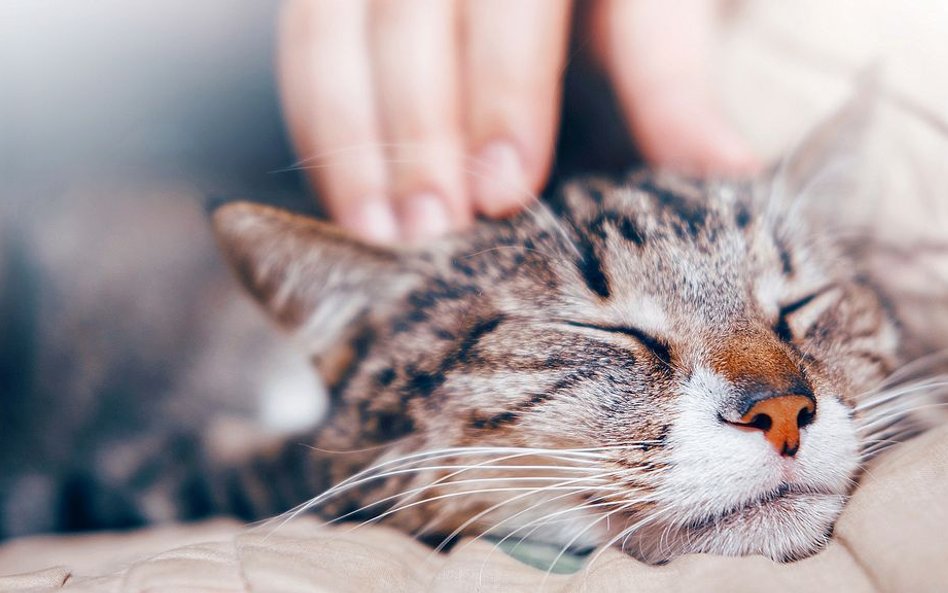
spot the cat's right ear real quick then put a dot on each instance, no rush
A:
(310, 277)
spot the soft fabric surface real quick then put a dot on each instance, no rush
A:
(892, 537)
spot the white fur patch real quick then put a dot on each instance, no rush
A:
(716, 469)
(292, 397)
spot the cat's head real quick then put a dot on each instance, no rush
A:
(693, 350)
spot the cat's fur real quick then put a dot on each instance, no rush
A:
(584, 361)
(568, 375)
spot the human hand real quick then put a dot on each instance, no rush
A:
(412, 116)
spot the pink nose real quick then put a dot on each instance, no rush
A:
(780, 418)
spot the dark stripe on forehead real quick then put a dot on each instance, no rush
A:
(629, 231)
(622, 223)
(786, 259)
(742, 215)
(421, 383)
(420, 302)
(692, 213)
(590, 267)
(588, 264)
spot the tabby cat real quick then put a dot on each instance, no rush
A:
(658, 363)
(655, 363)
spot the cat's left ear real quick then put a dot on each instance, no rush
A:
(309, 276)
(825, 165)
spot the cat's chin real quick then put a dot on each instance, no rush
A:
(784, 528)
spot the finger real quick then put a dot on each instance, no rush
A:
(415, 55)
(326, 89)
(513, 59)
(656, 53)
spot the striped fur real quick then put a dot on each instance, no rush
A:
(568, 375)
(576, 326)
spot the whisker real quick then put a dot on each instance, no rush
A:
(916, 364)
(489, 510)
(465, 493)
(371, 473)
(439, 483)
(402, 465)
(621, 473)
(887, 396)
(600, 477)
(576, 537)
(300, 163)
(624, 535)
(899, 411)
(900, 414)
(540, 522)
(536, 524)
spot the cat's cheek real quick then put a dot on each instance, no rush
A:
(713, 467)
(829, 450)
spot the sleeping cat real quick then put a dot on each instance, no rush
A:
(657, 363)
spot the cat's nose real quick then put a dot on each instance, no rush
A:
(780, 418)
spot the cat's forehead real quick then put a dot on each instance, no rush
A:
(649, 250)
(669, 214)
(687, 244)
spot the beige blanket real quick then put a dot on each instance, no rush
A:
(892, 537)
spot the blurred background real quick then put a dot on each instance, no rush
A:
(119, 326)
(174, 90)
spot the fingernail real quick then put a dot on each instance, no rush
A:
(498, 183)
(423, 216)
(372, 220)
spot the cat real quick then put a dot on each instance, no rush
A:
(659, 363)
(653, 362)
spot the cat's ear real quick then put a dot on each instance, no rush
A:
(308, 275)
(825, 164)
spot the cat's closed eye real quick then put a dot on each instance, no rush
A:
(659, 348)
(795, 317)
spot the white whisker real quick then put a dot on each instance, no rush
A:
(889, 395)
(468, 493)
(440, 483)
(372, 473)
(624, 535)
(473, 519)
(579, 534)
